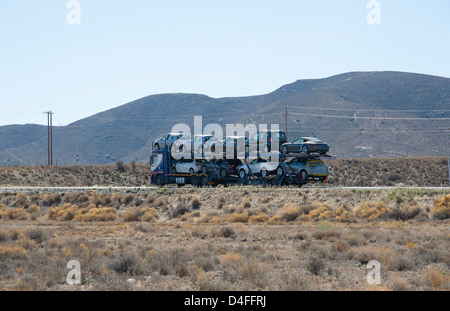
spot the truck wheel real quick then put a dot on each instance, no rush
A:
(242, 173)
(264, 182)
(304, 176)
(159, 180)
(280, 171)
(204, 181)
(194, 181)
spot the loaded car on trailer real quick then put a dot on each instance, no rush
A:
(295, 170)
(304, 169)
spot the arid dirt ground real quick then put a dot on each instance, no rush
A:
(235, 238)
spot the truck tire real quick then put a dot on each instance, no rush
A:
(242, 173)
(159, 180)
(223, 173)
(194, 181)
(280, 171)
(303, 176)
(203, 180)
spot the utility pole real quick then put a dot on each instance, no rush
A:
(285, 122)
(76, 140)
(49, 137)
(447, 136)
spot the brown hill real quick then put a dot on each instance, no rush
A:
(360, 114)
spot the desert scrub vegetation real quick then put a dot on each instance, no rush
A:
(246, 205)
(317, 255)
(441, 208)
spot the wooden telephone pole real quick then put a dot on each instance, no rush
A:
(49, 138)
(285, 122)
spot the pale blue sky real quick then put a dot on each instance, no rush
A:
(125, 50)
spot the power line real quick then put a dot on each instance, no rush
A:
(368, 118)
(369, 110)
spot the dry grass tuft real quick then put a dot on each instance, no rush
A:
(148, 214)
(371, 210)
(441, 209)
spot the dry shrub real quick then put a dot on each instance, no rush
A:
(21, 200)
(211, 217)
(51, 199)
(36, 234)
(242, 217)
(127, 199)
(190, 215)
(195, 203)
(382, 254)
(288, 213)
(75, 198)
(341, 246)
(371, 210)
(231, 257)
(179, 210)
(411, 245)
(404, 212)
(64, 212)
(4, 235)
(399, 284)
(441, 209)
(435, 278)
(343, 213)
(225, 232)
(247, 203)
(15, 251)
(97, 214)
(320, 211)
(259, 218)
(34, 211)
(14, 214)
(148, 214)
(220, 201)
(315, 265)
